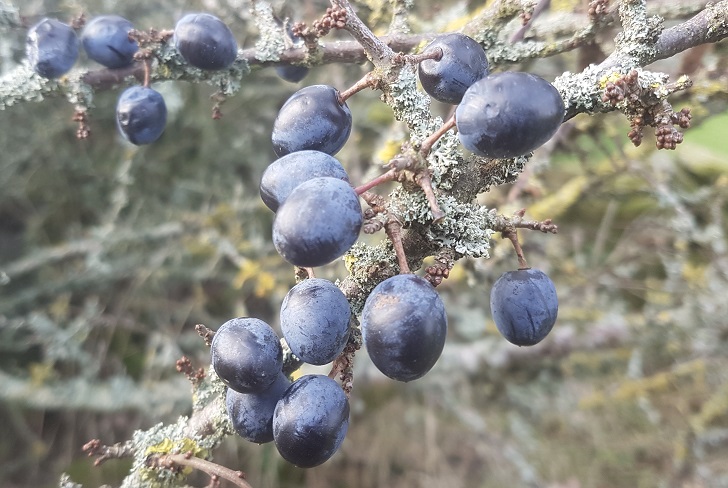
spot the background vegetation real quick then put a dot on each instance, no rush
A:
(110, 254)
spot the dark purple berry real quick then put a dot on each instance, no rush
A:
(524, 306)
(286, 173)
(319, 221)
(252, 413)
(205, 41)
(404, 326)
(141, 115)
(310, 421)
(312, 118)
(106, 41)
(246, 355)
(292, 73)
(52, 48)
(315, 321)
(463, 62)
(508, 114)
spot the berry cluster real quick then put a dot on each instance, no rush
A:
(319, 217)
(308, 418)
(203, 40)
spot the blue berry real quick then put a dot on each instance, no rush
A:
(404, 326)
(319, 221)
(252, 413)
(246, 355)
(292, 73)
(508, 114)
(315, 321)
(286, 173)
(463, 62)
(312, 118)
(205, 41)
(52, 48)
(141, 115)
(106, 41)
(524, 306)
(310, 421)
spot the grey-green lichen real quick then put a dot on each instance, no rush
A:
(206, 391)
(271, 41)
(174, 438)
(640, 31)
(199, 434)
(77, 91)
(501, 171)
(172, 66)
(24, 85)
(408, 103)
(143, 443)
(367, 266)
(466, 228)
(66, 482)
(581, 92)
(446, 159)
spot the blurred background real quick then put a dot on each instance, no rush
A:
(110, 254)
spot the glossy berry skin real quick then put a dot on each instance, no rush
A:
(404, 326)
(310, 421)
(252, 413)
(315, 321)
(141, 115)
(246, 355)
(106, 41)
(312, 118)
(205, 41)
(293, 73)
(319, 221)
(508, 114)
(52, 48)
(286, 173)
(524, 306)
(463, 63)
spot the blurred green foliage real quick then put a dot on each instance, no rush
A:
(111, 254)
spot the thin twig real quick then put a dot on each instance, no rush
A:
(402, 58)
(368, 81)
(393, 228)
(423, 180)
(512, 234)
(390, 175)
(94, 448)
(538, 10)
(195, 376)
(376, 202)
(147, 72)
(502, 223)
(343, 366)
(205, 333)
(427, 144)
(377, 50)
(171, 461)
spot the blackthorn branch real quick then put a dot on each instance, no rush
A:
(408, 233)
